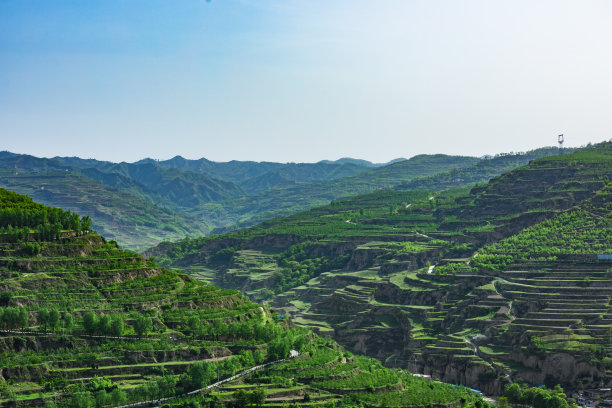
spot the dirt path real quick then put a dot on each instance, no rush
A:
(241, 374)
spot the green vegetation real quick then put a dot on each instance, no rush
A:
(84, 323)
(141, 204)
(471, 285)
(122, 215)
(536, 397)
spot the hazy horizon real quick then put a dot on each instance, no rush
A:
(390, 161)
(301, 81)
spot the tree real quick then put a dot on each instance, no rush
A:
(85, 224)
(54, 318)
(258, 397)
(116, 325)
(102, 399)
(194, 325)
(90, 322)
(279, 348)
(514, 393)
(258, 356)
(104, 324)
(142, 324)
(22, 318)
(201, 374)
(118, 397)
(241, 398)
(166, 385)
(43, 318)
(82, 399)
(68, 321)
(5, 298)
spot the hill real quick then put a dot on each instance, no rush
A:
(84, 323)
(275, 202)
(118, 214)
(479, 172)
(177, 188)
(140, 204)
(294, 173)
(479, 287)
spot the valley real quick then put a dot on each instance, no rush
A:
(147, 202)
(482, 287)
(85, 323)
(481, 284)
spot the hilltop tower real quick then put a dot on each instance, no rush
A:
(560, 140)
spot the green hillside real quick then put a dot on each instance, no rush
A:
(440, 281)
(293, 173)
(141, 204)
(84, 323)
(176, 187)
(117, 214)
(247, 211)
(480, 172)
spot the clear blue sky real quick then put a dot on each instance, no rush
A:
(301, 80)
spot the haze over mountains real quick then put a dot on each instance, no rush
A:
(175, 198)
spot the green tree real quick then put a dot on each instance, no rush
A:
(22, 318)
(142, 324)
(241, 398)
(258, 356)
(68, 322)
(90, 322)
(43, 318)
(116, 325)
(194, 325)
(82, 399)
(85, 224)
(104, 325)
(257, 397)
(118, 397)
(102, 399)
(201, 374)
(54, 318)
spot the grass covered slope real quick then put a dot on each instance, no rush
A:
(390, 273)
(84, 323)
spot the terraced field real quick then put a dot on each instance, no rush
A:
(84, 323)
(475, 287)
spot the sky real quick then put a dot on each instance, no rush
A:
(302, 80)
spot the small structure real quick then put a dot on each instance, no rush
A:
(560, 140)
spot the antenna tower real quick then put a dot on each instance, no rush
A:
(560, 140)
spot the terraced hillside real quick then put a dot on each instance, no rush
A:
(413, 277)
(167, 201)
(141, 204)
(84, 323)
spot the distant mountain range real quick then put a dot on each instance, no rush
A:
(171, 199)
